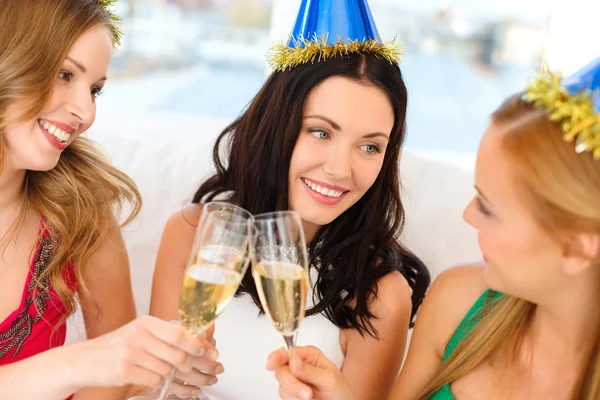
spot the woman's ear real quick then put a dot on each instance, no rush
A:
(579, 252)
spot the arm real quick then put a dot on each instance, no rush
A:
(392, 309)
(448, 301)
(54, 372)
(142, 352)
(173, 254)
(109, 304)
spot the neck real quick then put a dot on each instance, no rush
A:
(310, 230)
(568, 326)
(11, 194)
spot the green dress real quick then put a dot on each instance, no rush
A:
(466, 325)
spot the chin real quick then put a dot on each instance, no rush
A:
(43, 165)
(491, 278)
(318, 217)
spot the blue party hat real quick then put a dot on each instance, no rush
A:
(573, 102)
(330, 28)
(587, 78)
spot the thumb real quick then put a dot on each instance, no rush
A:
(210, 332)
(312, 356)
(277, 359)
(321, 375)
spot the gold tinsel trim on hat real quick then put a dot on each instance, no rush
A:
(115, 20)
(575, 113)
(282, 57)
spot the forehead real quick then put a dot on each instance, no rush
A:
(93, 48)
(494, 174)
(351, 104)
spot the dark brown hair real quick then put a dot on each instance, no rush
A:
(361, 245)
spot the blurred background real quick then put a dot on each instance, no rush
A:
(207, 57)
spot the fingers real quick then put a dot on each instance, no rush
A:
(313, 356)
(291, 386)
(197, 378)
(183, 390)
(204, 372)
(210, 332)
(210, 353)
(163, 351)
(277, 359)
(145, 360)
(317, 376)
(172, 334)
(207, 365)
(285, 395)
(135, 375)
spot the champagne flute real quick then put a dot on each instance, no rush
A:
(217, 264)
(280, 270)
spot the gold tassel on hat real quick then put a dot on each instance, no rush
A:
(574, 112)
(282, 57)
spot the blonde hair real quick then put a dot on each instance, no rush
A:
(81, 195)
(562, 189)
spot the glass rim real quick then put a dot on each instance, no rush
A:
(274, 215)
(244, 212)
(235, 221)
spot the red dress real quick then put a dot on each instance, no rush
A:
(36, 325)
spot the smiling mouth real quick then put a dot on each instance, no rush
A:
(59, 134)
(323, 190)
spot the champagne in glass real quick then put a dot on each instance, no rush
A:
(208, 286)
(282, 287)
(280, 271)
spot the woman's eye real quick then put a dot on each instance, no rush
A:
(65, 75)
(319, 134)
(371, 149)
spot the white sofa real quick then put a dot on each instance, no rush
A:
(169, 155)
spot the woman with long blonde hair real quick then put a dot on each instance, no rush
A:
(525, 324)
(60, 242)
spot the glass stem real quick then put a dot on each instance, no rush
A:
(165, 390)
(290, 340)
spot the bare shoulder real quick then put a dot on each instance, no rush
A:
(182, 224)
(178, 234)
(111, 245)
(393, 294)
(184, 220)
(448, 300)
(451, 296)
(459, 285)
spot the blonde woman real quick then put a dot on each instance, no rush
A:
(59, 241)
(525, 324)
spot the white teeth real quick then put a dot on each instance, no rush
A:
(322, 190)
(58, 133)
